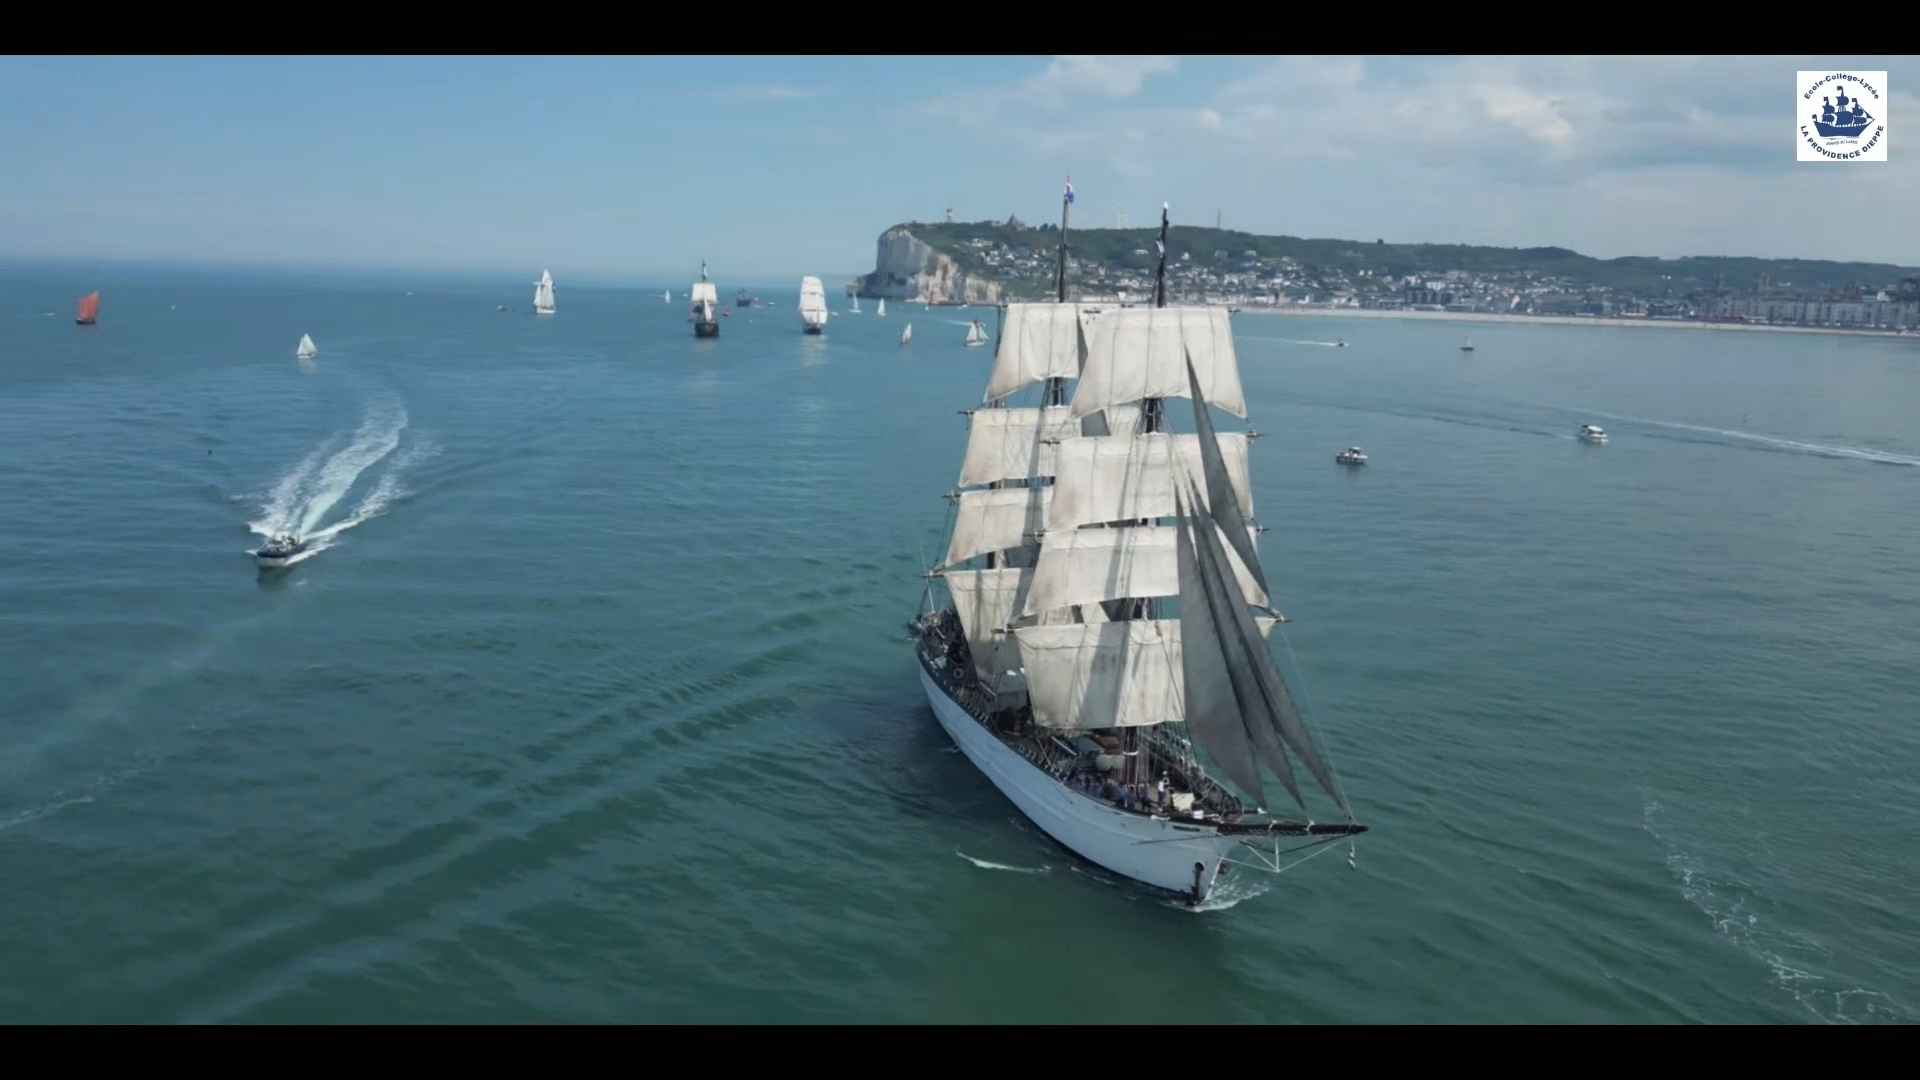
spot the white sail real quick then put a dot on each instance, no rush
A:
(1106, 674)
(995, 520)
(1125, 478)
(1139, 353)
(975, 334)
(813, 303)
(1089, 566)
(543, 294)
(1037, 342)
(906, 335)
(306, 351)
(666, 296)
(881, 312)
(985, 600)
(855, 310)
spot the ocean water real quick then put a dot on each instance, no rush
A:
(596, 704)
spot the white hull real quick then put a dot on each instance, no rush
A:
(543, 311)
(1154, 851)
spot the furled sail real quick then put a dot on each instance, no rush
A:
(1037, 342)
(1124, 478)
(1236, 700)
(1139, 353)
(1089, 566)
(995, 520)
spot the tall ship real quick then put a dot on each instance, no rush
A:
(705, 313)
(813, 306)
(1104, 649)
(543, 294)
(742, 300)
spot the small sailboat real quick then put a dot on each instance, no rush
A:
(855, 309)
(543, 294)
(306, 351)
(906, 336)
(89, 310)
(666, 297)
(881, 312)
(976, 334)
(706, 305)
(813, 306)
(1467, 345)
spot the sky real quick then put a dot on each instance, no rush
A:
(771, 167)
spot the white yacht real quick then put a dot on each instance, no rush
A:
(1351, 456)
(1592, 434)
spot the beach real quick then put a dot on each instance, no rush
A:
(1560, 320)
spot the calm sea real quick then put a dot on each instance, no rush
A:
(596, 704)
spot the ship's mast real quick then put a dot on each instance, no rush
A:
(1151, 412)
(1057, 387)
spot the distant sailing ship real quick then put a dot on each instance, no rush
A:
(976, 334)
(881, 311)
(855, 309)
(706, 306)
(89, 310)
(306, 351)
(1056, 669)
(813, 306)
(543, 294)
(667, 297)
(742, 300)
(906, 336)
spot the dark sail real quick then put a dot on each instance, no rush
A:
(1218, 672)
(1212, 703)
(1273, 704)
(1221, 502)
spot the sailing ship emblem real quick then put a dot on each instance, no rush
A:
(1841, 117)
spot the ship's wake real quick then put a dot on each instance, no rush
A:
(1773, 442)
(986, 865)
(1800, 964)
(303, 499)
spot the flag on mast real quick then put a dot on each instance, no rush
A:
(1069, 191)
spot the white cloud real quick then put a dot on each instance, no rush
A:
(1610, 155)
(1107, 76)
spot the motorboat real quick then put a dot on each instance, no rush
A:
(1351, 456)
(1340, 344)
(1589, 433)
(280, 551)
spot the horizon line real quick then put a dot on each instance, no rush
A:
(414, 273)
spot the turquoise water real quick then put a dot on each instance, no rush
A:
(597, 705)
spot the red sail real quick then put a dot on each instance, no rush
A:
(89, 308)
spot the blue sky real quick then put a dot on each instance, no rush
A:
(772, 167)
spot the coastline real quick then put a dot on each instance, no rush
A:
(1563, 320)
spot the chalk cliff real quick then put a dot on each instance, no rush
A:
(907, 268)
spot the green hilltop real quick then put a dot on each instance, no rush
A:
(1132, 249)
